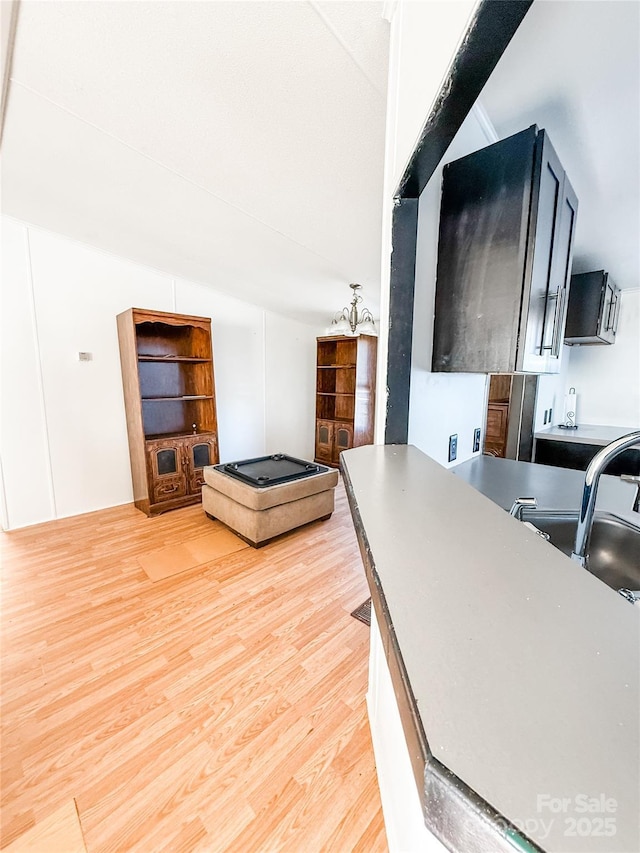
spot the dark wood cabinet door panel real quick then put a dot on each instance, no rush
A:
(483, 225)
(569, 454)
(324, 441)
(594, 309)
(199, 451)
(342, 440)
(507, 223)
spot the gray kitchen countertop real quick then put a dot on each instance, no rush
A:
(585, 434)
(504, 480)
(522, 669)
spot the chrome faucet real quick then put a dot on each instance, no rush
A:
(590, 492)
(522, 503)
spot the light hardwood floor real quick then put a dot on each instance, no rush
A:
(222, 709)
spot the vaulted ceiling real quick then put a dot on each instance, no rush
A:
(573, 68)
(239, 144)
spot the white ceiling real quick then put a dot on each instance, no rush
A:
(573, 68)
(239, 144)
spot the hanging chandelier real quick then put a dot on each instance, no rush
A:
(353, 320)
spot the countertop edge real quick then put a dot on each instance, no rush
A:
(593, 434)
(452, 811)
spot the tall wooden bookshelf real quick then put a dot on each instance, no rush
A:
(170, 403)
(345, 394)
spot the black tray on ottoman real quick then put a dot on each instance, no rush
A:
(263, 497)
(271, 470)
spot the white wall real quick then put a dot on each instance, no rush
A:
(442, 404)
(63, 435)
(290, 361)
(552, 388)
(606, 377)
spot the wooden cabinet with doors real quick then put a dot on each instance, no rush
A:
(174, 465)
(507, 224)
(170, 404)
(345, 395)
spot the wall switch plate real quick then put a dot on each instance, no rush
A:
(476, 440)
(453, 447)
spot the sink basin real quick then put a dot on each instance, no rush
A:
(614, 547)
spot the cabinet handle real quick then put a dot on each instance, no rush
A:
(607, 324)
(556, 340)
(617, 313)
(613, 304)
(545, 325)
(165, 490)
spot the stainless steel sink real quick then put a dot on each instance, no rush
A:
(614, 546)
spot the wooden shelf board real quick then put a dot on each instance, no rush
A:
(187, 433)
(187, 398)
(172, 359)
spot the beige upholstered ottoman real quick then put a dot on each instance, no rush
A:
(257, 514)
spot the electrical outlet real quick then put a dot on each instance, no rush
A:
(550, 415)
(453, 447)
(546, 415)
(476, 440)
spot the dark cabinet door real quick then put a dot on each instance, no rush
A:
(594, 309)
(554, 208)
(569, 454)
(484, 217)
(507, 222)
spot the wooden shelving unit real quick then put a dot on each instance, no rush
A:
(169, 391)
(345, 395)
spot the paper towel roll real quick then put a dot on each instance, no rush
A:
(570, 402)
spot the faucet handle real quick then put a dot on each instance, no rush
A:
(522, 503)
(633, 478)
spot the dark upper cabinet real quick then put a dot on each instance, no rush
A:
(507, 223)
(594, 308)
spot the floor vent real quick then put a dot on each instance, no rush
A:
(363, 613)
